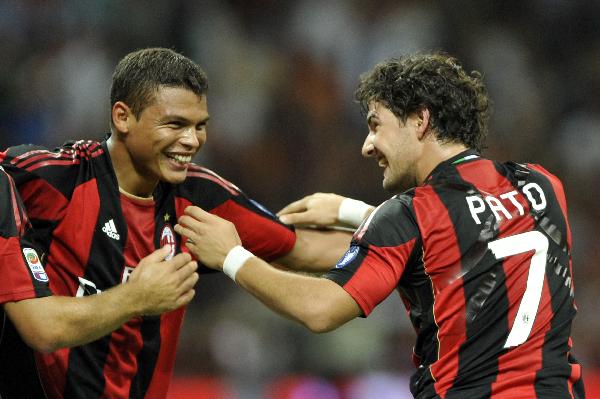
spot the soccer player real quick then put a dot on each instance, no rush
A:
(47, 322)
(479, 251)
(100, 207)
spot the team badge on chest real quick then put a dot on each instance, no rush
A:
(167, 237)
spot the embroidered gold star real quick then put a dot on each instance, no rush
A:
(167, 217)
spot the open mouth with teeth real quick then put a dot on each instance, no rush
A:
(181, 161)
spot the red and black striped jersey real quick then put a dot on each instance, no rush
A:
(23, 277)
(95, 236)
(480, 254)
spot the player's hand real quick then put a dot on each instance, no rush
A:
(320, 209)
(164, 285)
(209, 237)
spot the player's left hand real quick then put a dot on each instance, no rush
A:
(319, 209)
(209, 237)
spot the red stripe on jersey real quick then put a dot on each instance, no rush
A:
(52, 371)
(43, 200)
(77, 226)
(16, 283)
(559, 192)
(215, 179)
(180, 205)
(121, 366)
(19, 222)
(52, 163)
(83, 150)
(23, 162)
(170, 326)
(378, 274)
(257, 232)
(442, 266)
(518, 366)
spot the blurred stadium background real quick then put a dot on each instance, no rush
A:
(284, 124)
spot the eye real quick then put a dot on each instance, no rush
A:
(373, 124)
(174, 124)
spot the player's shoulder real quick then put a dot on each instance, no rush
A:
(201, 177)
(31, 157)
(391, 223)
(5, 178)
(399, 204)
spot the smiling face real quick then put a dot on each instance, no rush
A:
(394, 145)
(160, 144)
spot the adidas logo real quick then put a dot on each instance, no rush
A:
(111, 230)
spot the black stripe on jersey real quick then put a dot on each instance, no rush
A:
(86, 363)
(376, 237)
(19, 378)
(417, 293)
(394, 208)
(8, 224)
(423, 378)
(551, 380)
(150, 326)
(147, 357)
(482, 285)
(341, 275)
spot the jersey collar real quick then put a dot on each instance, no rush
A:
(465, 156)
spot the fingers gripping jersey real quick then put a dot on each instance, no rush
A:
(480, 255)
(95, 238)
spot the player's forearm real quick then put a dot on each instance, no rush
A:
(308, 300)
(50, 323)
(316, 250)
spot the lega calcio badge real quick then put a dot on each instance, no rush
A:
(35, 265)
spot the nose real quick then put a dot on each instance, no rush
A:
(190, 139)
(368, 149)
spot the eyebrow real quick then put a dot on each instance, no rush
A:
(178, 118)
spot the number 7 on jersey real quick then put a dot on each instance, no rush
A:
(514, 245)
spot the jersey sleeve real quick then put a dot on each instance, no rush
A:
(381, 249)
(43, 178)
(23, 276)
(260, 230)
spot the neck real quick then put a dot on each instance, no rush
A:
(131, 182)
(435, 153)
(136, 197)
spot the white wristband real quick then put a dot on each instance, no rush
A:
(235, 259)
(352, 211)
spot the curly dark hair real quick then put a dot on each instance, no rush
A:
(458, 102)
(140, 73)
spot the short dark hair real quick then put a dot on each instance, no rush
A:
(458, 102)
(141, 73)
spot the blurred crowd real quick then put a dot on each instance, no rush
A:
(284, 124)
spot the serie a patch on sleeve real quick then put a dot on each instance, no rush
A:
(35, 265)
(348, 256)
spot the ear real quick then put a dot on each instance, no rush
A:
(422, 122)
(121, 117)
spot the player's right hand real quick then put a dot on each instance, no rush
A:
(319, 209)
(164, 285)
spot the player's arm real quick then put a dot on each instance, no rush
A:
(316, 250)
(319, 250)
(319, 304)
(324, 210)
(155, 286)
